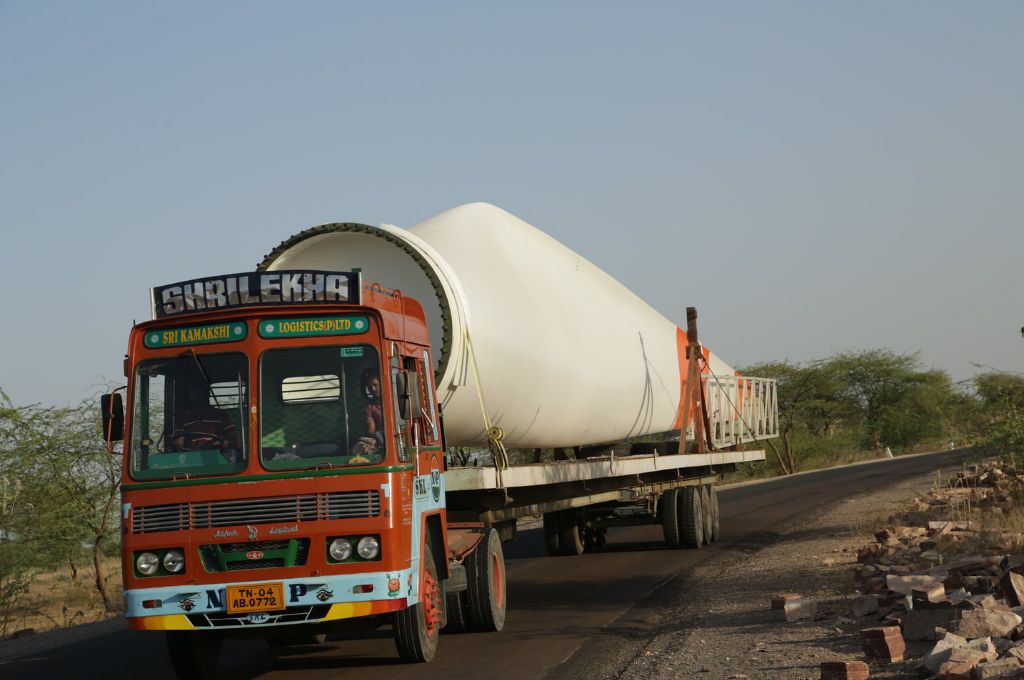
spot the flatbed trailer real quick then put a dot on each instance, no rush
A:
(580, 499)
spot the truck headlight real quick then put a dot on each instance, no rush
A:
(174, 561)
(368, 547)
(147, 563)
(340, 549)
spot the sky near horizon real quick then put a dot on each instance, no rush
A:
(814, 177)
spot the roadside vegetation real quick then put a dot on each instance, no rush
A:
(59, 516)
(860, 405)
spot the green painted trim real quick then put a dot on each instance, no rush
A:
(319, 326)
(263, 478)
(159, 338)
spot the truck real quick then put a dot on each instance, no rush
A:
(295, 438)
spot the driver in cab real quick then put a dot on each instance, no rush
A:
(203, 426)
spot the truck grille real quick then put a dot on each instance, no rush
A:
(210, 514)
(160, 518)
(262, 511)
(348, 504)
(219, 557)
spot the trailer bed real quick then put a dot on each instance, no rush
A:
(489, 495)
(560, 472)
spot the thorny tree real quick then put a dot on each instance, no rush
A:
(72, 482)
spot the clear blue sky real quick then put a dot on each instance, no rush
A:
(813, 176)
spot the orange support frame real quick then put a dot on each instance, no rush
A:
(692, 396)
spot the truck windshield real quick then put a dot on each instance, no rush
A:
(189, 416)
(321, 407)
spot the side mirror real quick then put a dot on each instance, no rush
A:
(412, 383)
(407, 387)
(112, 409)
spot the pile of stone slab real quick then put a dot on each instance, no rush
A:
(945, 572)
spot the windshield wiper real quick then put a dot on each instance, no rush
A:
(206, 376)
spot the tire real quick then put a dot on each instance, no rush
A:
(707, 513)
(417, 628)
(570, 536)
(194, 654)
(670, 518)
(551, 529)
(458, 617)
(691, 519)
(715, 516)
(486, 595)
(594, 538)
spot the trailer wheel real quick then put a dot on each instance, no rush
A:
(716, 519)
(417, 627)
(670, 517)
(485, 596)
(707, 513)
(570, 536)
(590, 539)
(458, 617)
(594, 538)
(691, 519)
(551, 530)
(194, 654)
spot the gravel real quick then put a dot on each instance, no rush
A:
(720, 624)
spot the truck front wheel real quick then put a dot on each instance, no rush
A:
(194, 654)
(485, 573)
(417, 628)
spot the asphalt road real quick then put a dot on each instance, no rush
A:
(565, 613)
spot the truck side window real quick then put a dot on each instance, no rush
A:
(430, 434)
(431, 396)
(401, 426)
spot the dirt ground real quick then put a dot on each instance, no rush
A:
(730, 632)
(56, 600)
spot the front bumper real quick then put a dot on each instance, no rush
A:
(308, 600)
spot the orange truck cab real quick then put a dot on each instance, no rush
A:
(284, 470)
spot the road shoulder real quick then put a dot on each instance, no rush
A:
(715, 621)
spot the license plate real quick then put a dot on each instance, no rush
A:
(260, 597)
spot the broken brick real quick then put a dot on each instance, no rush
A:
(1012, 585)
(980, 623)
(867, 552)
(928, 595)
(883, 645)
(804, 608)
(779, 601)
(960, 665)
(1004, 669)
(844, 670)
